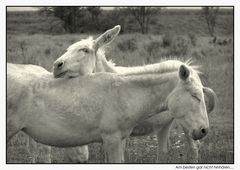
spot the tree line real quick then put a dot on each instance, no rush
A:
(80, 19)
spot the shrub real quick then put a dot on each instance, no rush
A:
(47, 51)
(153, 46)
(180, 46)
(193, 38)
(167, 39)
(128, 45)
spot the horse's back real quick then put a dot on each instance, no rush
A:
(25, 71)
(19, 79)
(22, 75)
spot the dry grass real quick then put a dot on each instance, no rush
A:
(216, 64)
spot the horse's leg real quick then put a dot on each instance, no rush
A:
(123, 148)
(162, 136)
(32, 146)
(112, 145)
(13, 127)
(32, 149)
(48, 153)
(76, 154)
(84, 152)
(105, 154)
(11, 131)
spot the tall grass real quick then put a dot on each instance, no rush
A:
(216, 64)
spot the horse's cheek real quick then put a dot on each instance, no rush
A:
(172, 106)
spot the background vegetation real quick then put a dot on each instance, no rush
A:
(157, 20)
(40, 38)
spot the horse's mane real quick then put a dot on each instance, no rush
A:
(163, 66)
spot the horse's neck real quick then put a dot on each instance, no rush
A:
(102, 65)
(154, 89)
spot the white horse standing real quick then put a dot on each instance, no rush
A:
(86, 57)
(101, 107)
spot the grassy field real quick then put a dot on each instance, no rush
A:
(216, 63)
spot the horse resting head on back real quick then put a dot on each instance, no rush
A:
(87, 56)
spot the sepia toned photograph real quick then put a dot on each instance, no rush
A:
(120, 84)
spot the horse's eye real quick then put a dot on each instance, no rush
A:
(197, 98)
(85, 50)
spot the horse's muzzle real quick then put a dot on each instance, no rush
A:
(199, 133)
(58, 65)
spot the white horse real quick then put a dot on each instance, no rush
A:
(103, 107)
(86, 57)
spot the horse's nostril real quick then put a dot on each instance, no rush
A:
(204, 131)
(60, 65)
(198, 134)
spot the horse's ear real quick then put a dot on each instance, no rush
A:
(210, 99)
(106, 37)
(184, 72)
